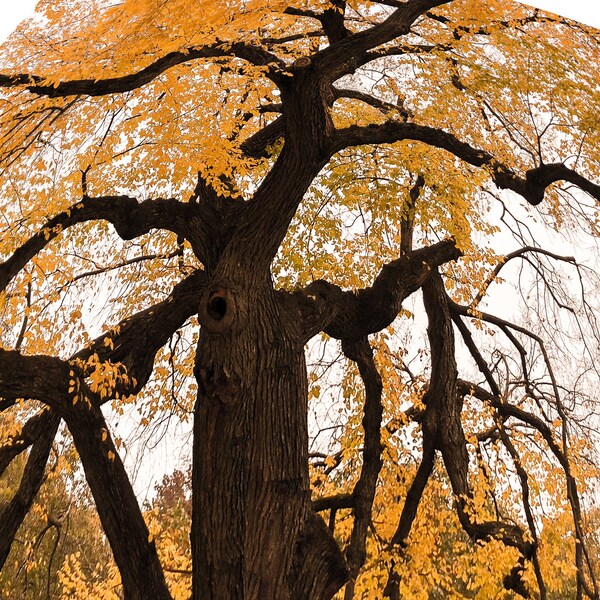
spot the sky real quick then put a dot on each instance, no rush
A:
(585, 11)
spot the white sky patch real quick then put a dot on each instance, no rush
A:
(12, 13)
(586, 11)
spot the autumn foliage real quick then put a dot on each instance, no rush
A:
(338, 260)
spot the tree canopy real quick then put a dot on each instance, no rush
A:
(351, 248)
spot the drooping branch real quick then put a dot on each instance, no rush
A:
(506, 259)
(130, 219)
(43, 86)
(361, 353)
(560, 451)
(133, 548)
(507, 410)
(531, 187)
(15, 512)
(525, 492)
(408, 515)
(443, 427)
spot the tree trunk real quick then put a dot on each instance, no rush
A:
(250, 473)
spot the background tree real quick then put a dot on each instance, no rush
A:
(197, 196)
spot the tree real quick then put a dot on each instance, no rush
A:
(292, 173)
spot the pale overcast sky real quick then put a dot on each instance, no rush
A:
(586, 11)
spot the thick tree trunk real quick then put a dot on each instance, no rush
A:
(250, 474)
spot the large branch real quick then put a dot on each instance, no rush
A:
(133, 548)
(33, 377)
(43, 86)
(331, 19)
(531, 187)
(15, 512)
(442, 427)
(134, 342)
(258, 144)
(345, 55)
(307, 96)
(265, 222)
(306, 99)
(130, 219)
(350, 315)
(363, 495)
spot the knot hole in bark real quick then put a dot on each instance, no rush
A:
(217, 310)
(217, 307)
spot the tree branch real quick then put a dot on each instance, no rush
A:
(133, 343)
(344, 56)
(361, 353)
(31, 431)
(350, 315)
(531, 187)
(133, 548)
(33, 377)
(506, 259)
(509, 410)
(130, 219)
(117, 85)
(407, 517)
(333, 502)
(524, 479)
(442, 427)
(256, 145)
(382, 105)
(33, 476)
